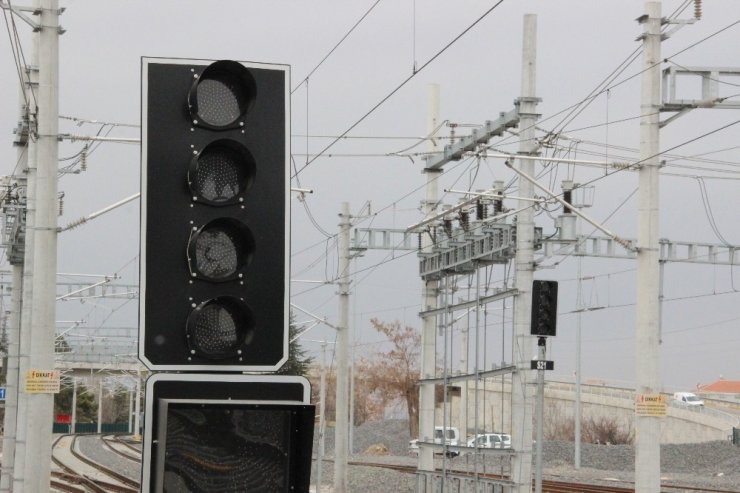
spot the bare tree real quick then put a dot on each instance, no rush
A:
(368, 404)
(394, 374)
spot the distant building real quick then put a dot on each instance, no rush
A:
(721, 389)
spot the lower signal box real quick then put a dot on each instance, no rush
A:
(227, 433)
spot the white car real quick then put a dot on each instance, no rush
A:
(505, 440)
(491, 440)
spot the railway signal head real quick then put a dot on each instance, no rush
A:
(227, 432)
(215, 215)
(544, 308)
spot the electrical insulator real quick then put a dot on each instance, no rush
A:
(480, 210)
(419, 237)
(447, 224)
(697, 9)
(568, 197)
(464, 220)
(83, 158)
(498, 206)
(61, 204)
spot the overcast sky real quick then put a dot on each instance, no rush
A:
(580, 43)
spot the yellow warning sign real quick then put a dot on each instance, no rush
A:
(650, 405)
(41, 382)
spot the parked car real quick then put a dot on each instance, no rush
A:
(505, 440)
(491, 440)
(687, 399)
(414, 446)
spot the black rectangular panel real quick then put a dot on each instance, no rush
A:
(234, 448)
(172, 217)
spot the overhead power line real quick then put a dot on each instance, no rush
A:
(399, 86)
(335, 46)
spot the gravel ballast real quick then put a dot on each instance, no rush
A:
(705, 465)
(713, 464)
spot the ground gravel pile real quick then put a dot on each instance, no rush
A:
(394, 434)
(710, 465)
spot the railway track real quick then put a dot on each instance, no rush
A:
(560, 486)
(70, 478)
(121, 448)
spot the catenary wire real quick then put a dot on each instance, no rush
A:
(619, 83)
(399, 86)
(623, 81)
(16, 59)
(305, 80)
(629, 60)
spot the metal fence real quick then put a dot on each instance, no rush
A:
(436, 482)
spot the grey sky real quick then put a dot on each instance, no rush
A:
(579, 44)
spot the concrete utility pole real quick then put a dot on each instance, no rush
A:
(463, 369)
(28, 261)
(341, 437)
(100, 407)
(521, 389)
(430, 289)
(10, 420)
(322, 418)
(73, 428)
(137, 406)
(647, 428)
(41, 406)
(11, 379)
(131, 411)
(578, 412)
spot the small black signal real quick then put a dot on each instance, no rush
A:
(544, 308)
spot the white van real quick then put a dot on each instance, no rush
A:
(450, 436)
(687, 399)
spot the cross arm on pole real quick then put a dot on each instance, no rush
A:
(626, 244)
(18, 11)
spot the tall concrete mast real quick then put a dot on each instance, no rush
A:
(342, 351)
(40, 410)
(647, 428)
(430, 289)
(521, 389)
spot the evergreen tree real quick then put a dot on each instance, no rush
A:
(298, 360)
(87, 407)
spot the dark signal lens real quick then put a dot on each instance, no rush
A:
(221, 100)
(221, 173)
(220, 250)
(222, 95)
(218, 328)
